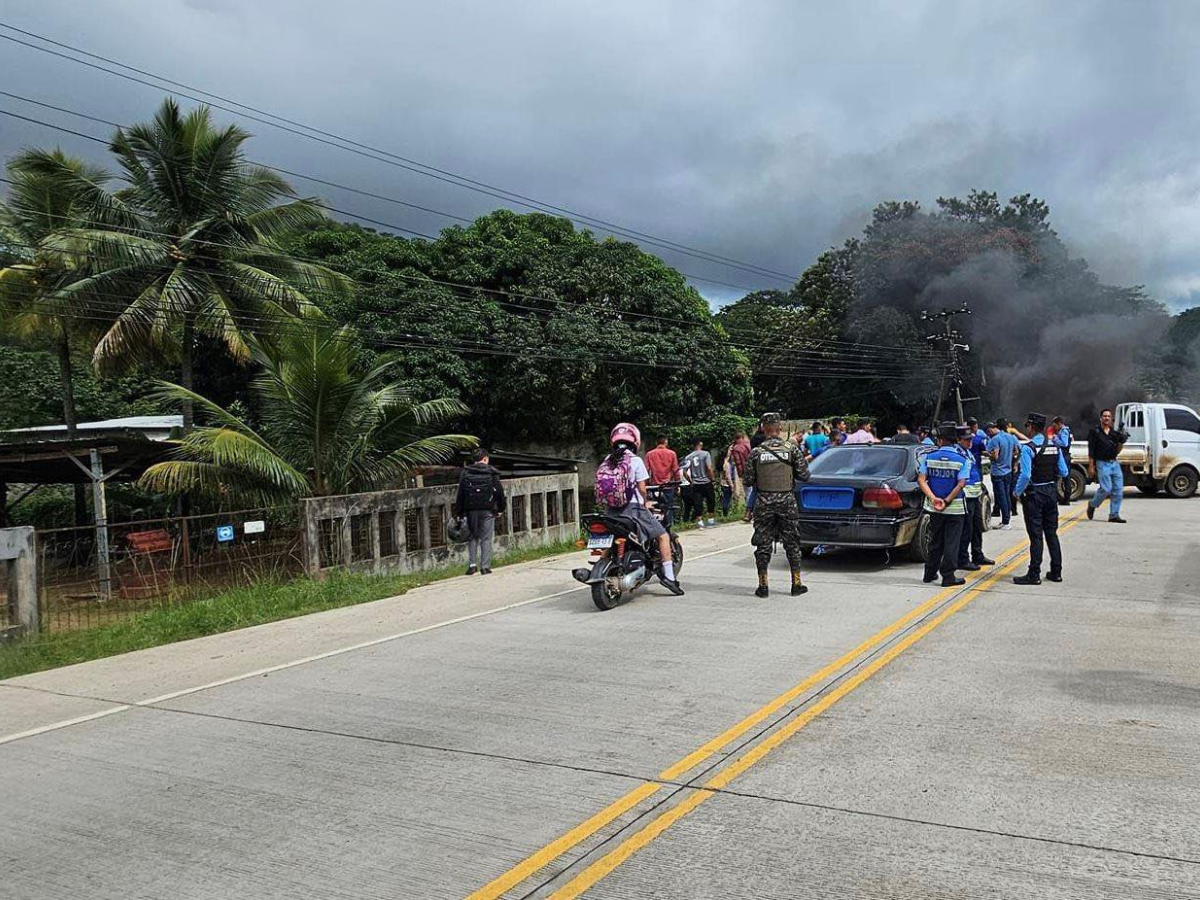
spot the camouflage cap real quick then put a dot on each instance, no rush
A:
(771, 418)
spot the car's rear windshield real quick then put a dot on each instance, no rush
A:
(873, 462)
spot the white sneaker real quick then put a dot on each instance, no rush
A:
(1007, 527)
(711, 522)
(700, 523)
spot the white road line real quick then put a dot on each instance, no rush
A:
(65, 723)
(257, 673)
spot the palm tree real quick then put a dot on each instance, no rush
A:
(195, 250)
(49, 194)
(328, 426)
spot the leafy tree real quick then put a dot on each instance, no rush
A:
(555, 334)
(48, 195)
(195, 248)
(329, 425)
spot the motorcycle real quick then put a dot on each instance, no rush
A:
(619, 561)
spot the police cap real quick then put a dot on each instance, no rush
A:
(1036, 419)
(948, 431)
(962, 431)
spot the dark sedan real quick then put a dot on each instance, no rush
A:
(866, 496)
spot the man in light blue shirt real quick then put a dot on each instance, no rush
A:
(1042, 463)
(1063, 438)
(1002, 447)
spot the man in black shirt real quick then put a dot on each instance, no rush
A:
(1104, 445)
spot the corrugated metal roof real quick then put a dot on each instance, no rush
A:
(133, 423)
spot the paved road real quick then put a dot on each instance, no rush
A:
(500, 737)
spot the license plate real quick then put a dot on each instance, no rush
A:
(827, 498)
(600, 541)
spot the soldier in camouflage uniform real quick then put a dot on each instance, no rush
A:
(774, 469)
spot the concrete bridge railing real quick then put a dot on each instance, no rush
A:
(405, 530)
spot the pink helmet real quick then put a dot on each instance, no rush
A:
(625, 431)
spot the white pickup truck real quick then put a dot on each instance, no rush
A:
(1162, 453)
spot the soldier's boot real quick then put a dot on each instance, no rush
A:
(762, 590)
(797, 587)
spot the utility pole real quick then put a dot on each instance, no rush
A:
(950, 338)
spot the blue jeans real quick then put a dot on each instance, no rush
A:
(1112, 485)
(749, 499)
(1002, 488)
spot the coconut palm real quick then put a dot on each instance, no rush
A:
(328, 426)
(196, 249)
(49, 194)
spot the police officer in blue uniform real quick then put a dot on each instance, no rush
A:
(970, 546)
(942, 475)
(1042, 464)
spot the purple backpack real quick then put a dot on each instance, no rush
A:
(614, 484)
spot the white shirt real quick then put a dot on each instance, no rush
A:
(639, 473)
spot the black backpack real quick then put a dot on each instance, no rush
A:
(478, 490)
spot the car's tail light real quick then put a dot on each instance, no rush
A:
(598, 528)
(882, 497)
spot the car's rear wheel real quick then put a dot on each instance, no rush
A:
(918, 550)
(1181, 483)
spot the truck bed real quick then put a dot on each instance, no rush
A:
(1134, 456)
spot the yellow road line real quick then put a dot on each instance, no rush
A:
(641, 838)
(547, 854)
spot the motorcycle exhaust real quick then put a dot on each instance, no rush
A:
(631, 580)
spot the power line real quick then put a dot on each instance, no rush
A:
(350, 145)
(836, 345)
(304, 328)
(353, 215)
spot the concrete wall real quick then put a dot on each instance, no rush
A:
(19, 568)
(404, 530)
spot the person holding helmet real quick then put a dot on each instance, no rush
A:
(623, 465)
(479, 500)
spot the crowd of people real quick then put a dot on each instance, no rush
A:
(767, 469)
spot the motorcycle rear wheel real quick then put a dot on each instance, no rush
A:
(604, 597)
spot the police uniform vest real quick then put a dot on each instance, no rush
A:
(941, 474)
(1045, 463)
(775, 470)
(974, 485)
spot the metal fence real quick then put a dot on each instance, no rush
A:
(89, 576)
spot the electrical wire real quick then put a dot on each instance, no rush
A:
(387, 157)
(843, 346)
(348, 213)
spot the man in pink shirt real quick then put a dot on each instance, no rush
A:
(864, 435)
(663, 464)
(739, 451)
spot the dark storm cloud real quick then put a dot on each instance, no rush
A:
(761, 131)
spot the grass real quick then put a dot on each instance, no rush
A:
(266, 601)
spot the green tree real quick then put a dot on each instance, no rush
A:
(195, 250)
(544, 331)
(49, 194)
(329, 425)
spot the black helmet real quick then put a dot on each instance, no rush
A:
(457, 530)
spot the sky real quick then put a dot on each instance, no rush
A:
(763, 132)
